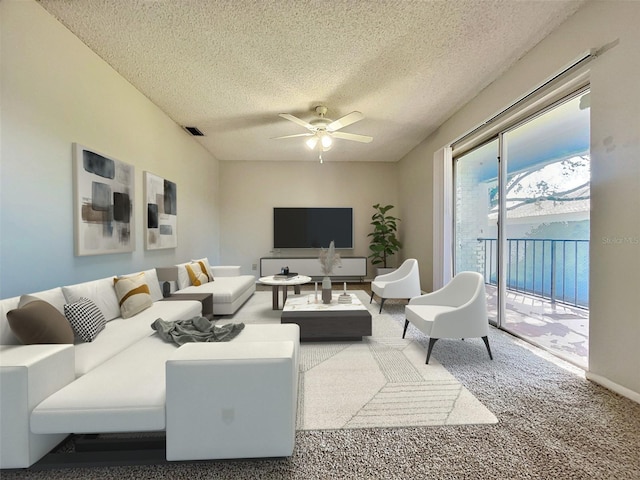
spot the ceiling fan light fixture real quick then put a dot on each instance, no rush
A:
(312, 142)
(321, 130)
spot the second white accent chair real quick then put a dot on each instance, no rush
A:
(457, 310)
(401, 283)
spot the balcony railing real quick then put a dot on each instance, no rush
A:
(554, 269)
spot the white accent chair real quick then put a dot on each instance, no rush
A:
(401, 283)
(457, 310)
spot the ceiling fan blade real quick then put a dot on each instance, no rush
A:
(352, 136)
(293, 136)
(293, 119)
(348, 119)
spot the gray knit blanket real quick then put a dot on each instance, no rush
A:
(196, 329)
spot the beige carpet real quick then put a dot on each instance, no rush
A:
(381, 381)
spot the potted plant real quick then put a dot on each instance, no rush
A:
(384, 242)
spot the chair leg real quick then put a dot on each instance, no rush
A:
(371, 299)
(381, 304)
(432, 341)
(406, 324)
(486, 342)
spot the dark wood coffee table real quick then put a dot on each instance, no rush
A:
(322, 322)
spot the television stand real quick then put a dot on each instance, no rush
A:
(352, 267)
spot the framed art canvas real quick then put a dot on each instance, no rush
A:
(161, 212)
(103, 203)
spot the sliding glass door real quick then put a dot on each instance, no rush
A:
(522, 219)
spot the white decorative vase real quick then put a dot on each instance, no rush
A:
(326, 290)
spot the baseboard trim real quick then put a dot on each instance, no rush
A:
(619, 389)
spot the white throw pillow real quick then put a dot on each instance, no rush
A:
(133, 294)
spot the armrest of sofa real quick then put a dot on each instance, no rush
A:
(226, 271)
(28, 375)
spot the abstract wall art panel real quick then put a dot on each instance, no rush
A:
(103, 203)
(161, 213)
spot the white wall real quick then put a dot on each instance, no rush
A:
(55, 91)
(614, 355)
(250, 190)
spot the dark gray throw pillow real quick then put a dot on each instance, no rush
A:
(39, 322)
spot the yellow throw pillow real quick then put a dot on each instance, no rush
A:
(197, 273)
(133, 294)
(206, 268)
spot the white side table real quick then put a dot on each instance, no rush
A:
(276, 284)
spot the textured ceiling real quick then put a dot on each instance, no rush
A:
(229, 67)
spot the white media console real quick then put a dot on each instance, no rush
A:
(352, 267)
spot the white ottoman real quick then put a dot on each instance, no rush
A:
(231, 400)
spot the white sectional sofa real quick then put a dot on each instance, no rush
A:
(229, 288)
(118, 381)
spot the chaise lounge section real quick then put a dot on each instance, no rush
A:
(230, 289)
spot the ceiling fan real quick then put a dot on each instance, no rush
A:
(323, 130)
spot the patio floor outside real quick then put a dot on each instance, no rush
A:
(561, 329)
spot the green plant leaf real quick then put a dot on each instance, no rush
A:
(383, 241)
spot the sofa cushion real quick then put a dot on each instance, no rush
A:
(133, 294)
(100, 291)
(197, 273)
(39, 322)
(86, 319)
(126, 393)
(226, 271)
(151, 277)
(183, 276)
(120, 333)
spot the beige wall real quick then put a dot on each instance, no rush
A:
(416, 201)
(55, 91)
(250, 190)
(615, 149)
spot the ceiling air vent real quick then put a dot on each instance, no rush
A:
(195, 131)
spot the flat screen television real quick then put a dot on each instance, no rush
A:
(312, 227)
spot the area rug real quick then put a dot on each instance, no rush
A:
(381, 381)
